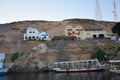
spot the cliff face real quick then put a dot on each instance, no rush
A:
(35, 55)
(39, 56)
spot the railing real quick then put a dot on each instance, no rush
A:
(78, 64)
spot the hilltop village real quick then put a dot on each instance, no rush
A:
(38, 44)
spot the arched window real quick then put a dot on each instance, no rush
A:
(94, 36)
(101, 36)
(33, 31)
(30, 38)
(30, 31)
(25, 37)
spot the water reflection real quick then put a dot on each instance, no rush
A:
(3, 78)
(80, 76)
(61, 76)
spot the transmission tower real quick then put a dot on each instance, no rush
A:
(114, 11)
(98, 13)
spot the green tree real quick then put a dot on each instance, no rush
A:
(116, 29)
(100, 55)
(119, 48)
(15, 56)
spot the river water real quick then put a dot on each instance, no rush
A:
(61, 76)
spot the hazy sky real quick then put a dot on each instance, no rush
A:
(53, 10)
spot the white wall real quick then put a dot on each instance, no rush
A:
(1, 65)
(2, 57)
(118, 38)
(89, 34)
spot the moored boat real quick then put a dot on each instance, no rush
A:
(92, 65)
(115, 66)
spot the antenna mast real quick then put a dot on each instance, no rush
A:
(114, 11)
(98, 13)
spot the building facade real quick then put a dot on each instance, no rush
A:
(34, 34)
(82, 33)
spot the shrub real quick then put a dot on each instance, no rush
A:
(119, 48)
(15, 56)
(110, 46)
(100, 55)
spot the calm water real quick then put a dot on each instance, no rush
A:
(61, 76)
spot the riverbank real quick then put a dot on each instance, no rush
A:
(35, 59)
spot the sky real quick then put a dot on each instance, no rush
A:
(54, 10)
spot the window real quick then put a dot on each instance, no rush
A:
(33, 37)
(37, 37)
(30, 31)
(25, 37)
(94, 36)
(69, 29)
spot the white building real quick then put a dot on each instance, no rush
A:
(94, 33)
(44, 36)
(34, 34)
(2, 57)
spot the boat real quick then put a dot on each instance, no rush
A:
(92, 65)
(4, 67)
(114, 66)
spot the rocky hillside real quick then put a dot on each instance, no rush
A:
(57, 27)
(35, 55)
(12, 33)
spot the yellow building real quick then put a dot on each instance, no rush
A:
(82, 34)
(73, 31)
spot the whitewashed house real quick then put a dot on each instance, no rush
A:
(44, 36)
(34, 34)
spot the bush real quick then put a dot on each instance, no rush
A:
(110, 46)
(100, 55)
(15, 56)
(119, 48)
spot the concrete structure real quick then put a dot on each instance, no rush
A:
(4, 67)
(34, 34)
(114, 37)
(82, 33)
(2, 57)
